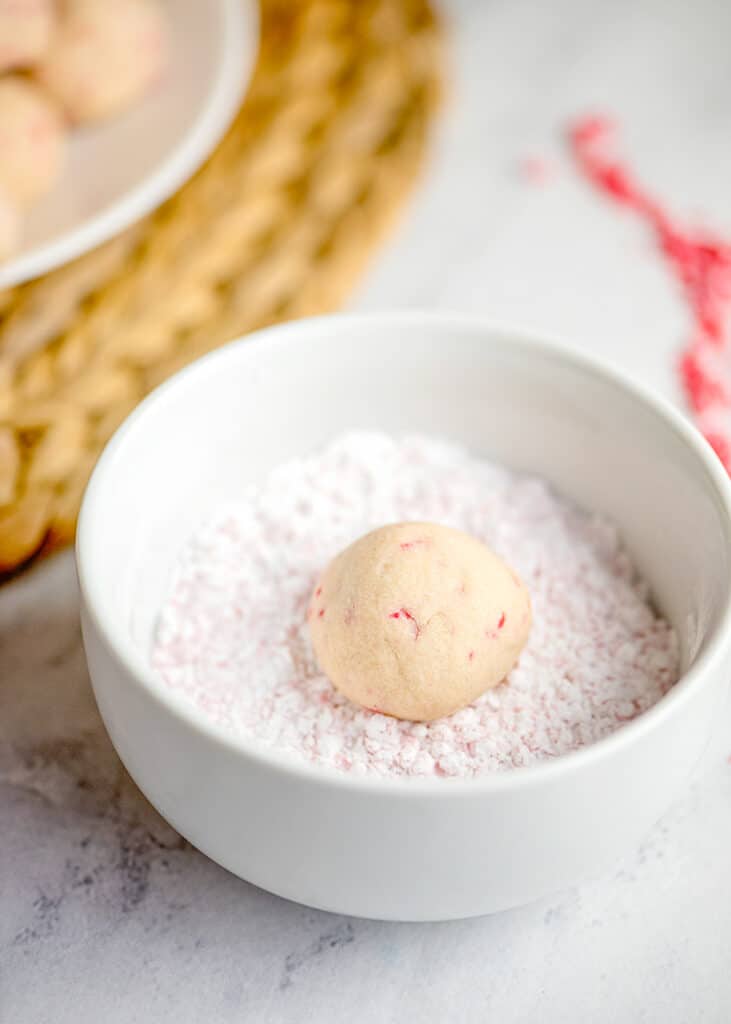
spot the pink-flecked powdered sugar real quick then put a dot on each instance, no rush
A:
(232, 636)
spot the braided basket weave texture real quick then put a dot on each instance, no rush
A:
(278, 224)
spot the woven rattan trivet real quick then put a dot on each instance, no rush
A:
(278, 224)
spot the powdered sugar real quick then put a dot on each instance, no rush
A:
(232, 635)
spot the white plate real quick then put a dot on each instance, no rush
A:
(120, 171)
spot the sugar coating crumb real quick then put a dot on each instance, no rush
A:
(233, 638)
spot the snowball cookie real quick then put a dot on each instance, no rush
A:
(9, 225)
(104, 55)
(32, 140)
(417, 620)
(25, 31)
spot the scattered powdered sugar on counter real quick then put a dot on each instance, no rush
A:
(233, 639)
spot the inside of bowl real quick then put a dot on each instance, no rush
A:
(234, 416)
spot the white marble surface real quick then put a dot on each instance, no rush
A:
(106, 915)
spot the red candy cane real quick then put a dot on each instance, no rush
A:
(699, 261)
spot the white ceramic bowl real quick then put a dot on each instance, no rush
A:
(120, 170)
(403, 849)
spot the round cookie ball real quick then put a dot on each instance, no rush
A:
(25, 31)
(32, 140)
(9, 225)
(416, 620)
(104, 56)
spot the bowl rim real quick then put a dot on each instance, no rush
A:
(238, 47)
(114, 635)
